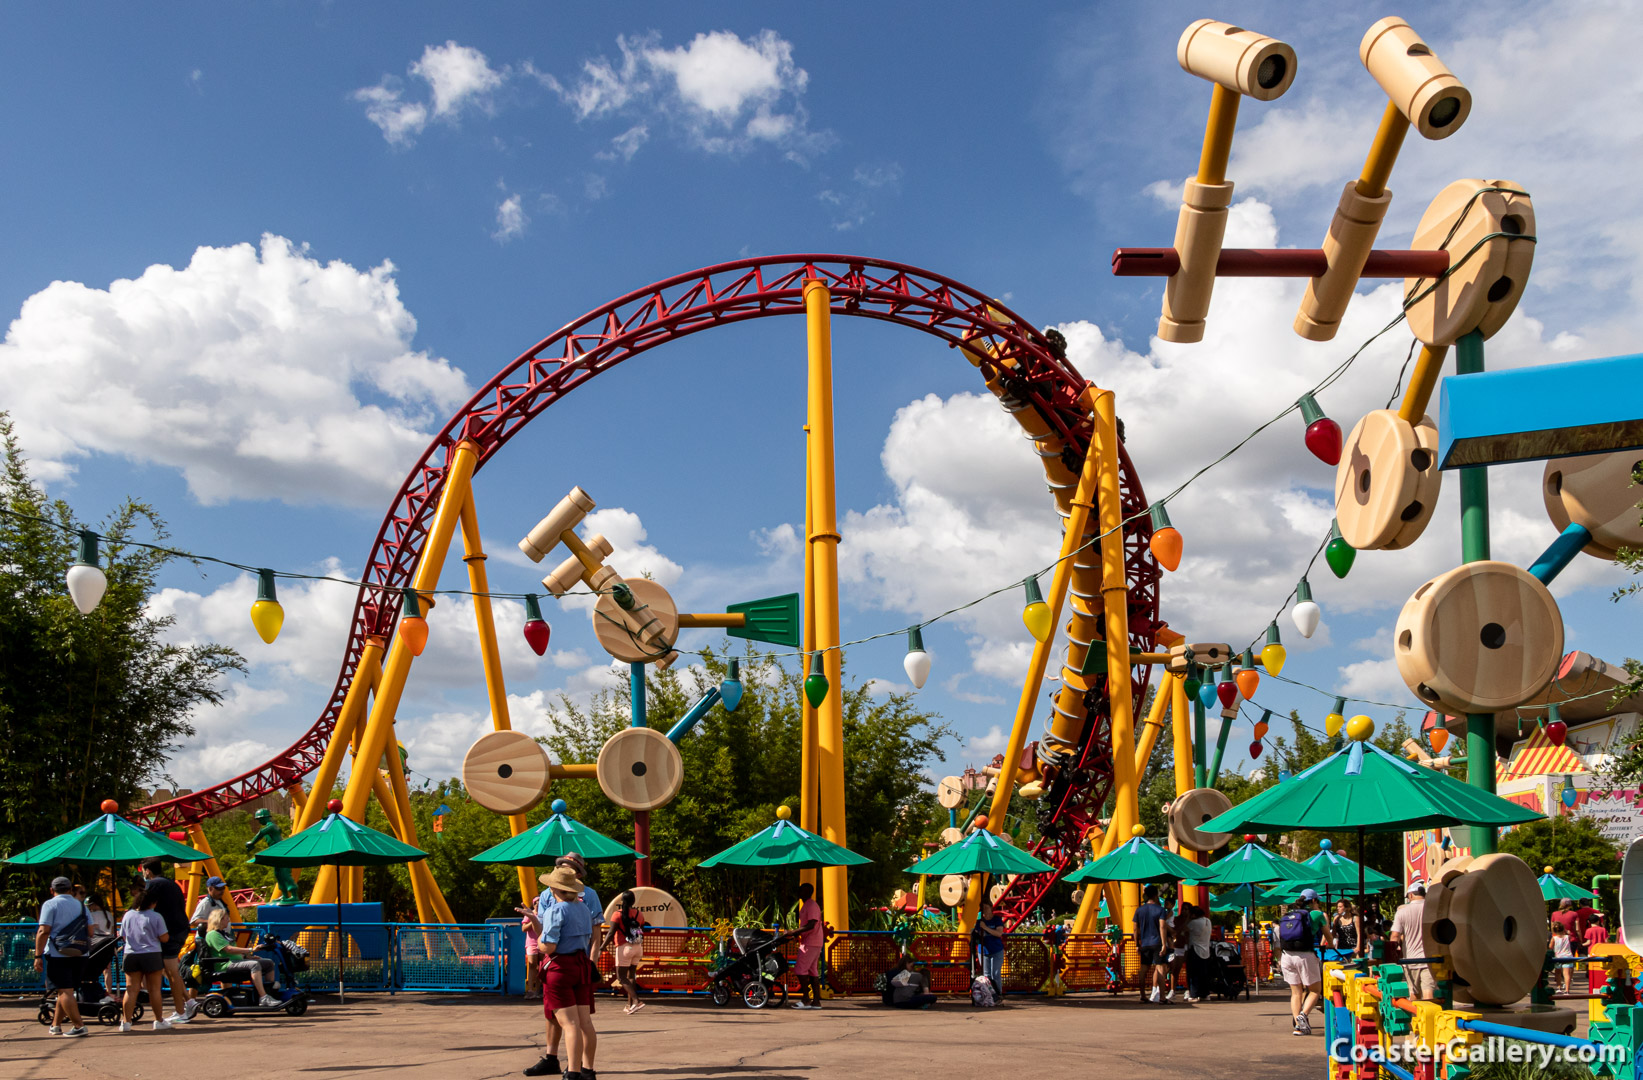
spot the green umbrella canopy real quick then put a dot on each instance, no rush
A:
(1248, 896)
(1364, 787)
(1140, 860)
(1553, 887)
(981, 852)
(336, 840)
(1332, 870)
(785, 844)
(1253, 864)
(559, 835)
(105, 841)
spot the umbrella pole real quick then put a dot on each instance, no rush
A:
(1358, 946)
(342, 942)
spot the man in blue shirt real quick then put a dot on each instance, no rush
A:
(62, 972)
(596, 910)
(1150, 921)
(566, 931)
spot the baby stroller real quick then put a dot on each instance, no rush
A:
(755, 971)
(1226, 971)
(218, 997)
(93, 997)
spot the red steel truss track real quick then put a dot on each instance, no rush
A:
(674, 308)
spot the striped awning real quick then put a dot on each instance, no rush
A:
(1537, 756)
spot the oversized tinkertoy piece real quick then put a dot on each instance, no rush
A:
(950, 792)
(639, 768)
(271, 834)
(953, 889)
(1479, 638)
(1423, 93)
(1240, 63)
(1487, 918)
(506, 772)
(1205, 654)
(1190, 811)
(1387, 483)
(1597, 492)
(952, 834)
(1483, 286)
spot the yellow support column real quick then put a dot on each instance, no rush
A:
(197, 840)
(1161, 697)
(379, 725)
(422, 878)
(366, 674)
(824, 539)
(491, 655)
(808, 814)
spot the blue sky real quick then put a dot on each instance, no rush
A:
(256, 255)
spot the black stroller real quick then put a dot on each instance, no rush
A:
(755, 972)
(94, 998)
(1226, 971)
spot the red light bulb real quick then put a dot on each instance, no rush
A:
(1323, 435)
(1557, 731)
(1254, 752)
(537, 631)
(1227, 692)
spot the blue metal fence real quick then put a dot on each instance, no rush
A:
(373, 956)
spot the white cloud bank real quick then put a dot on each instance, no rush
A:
(458, 78)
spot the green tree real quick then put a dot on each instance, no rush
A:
(91, 706)
(1575, 849)
(1626, 769)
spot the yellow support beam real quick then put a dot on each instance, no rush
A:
(587, 770)
(343, 737)
(824, 539)
(1428, 366)
(1223, 120)
(1155, 722)
(726, 620)
(491, 655)
(380, 723)
(1383, 153)
(209, 868)
(808, 813)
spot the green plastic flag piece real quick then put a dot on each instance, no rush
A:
(1095, 661)
(773, 620)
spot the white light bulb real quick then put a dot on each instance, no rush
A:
(917, 664)
(1307, 614)
(86, 585)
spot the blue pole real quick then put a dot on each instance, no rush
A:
(1544, 1038)
(694, 716)
(636, 679)
(1561, 553)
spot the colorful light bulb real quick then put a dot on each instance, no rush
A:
(1338, 553)
(1439, 738)
(1036, 615)
(730, 687)
(815, 684)
(1192, 684)
(1206, 694)
(1262, 726)
(1323, 435)
(1556, 729)
(917, 662)
(266, 614)
(1226, 689)
(1306, 614)
(537, 630)
(1255, 749)
(412, 626)
(1247, 677)
(1273, 653)
(1336, 718)
(85, 579)
(1166, 541)
(1569, 795)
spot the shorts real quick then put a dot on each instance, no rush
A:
(242, 969)
(63, 972)
(144, 963)
(567, 981)
(1149, 954)
(629, 954)
(173, 948)
(805, 965)
(1422, 986)
(1301, 968)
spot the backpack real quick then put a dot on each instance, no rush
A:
(75, 938)
(1295, 931)
(983, 995)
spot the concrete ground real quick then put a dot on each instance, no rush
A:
(455, 1037)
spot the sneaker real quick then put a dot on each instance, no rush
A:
(637, 1005)
(1294, 1025)
(162, 1025)
(75, 1032)
(803, 1005)
(190, 1007)
(1169, 998)
(1155, 997)
(125, 1026)
(1303, 1026)
(54, 1030)
(547, 1066)
(109, 999)
(269, 1001)
(179, 1018)
(1192, 1000)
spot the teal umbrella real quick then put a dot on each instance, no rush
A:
(559, 835)
(785, 844)
(981, 853)
(1253, 864)
(1140, 860)
(338, 841)
(1553, 887)
(1333, 871)
(106, 840)
(1248, 896)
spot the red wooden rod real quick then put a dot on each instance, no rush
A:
(1278, 262)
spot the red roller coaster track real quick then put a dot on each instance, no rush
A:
(673, 308)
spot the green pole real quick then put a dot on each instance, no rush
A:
(1199, 738)
(1474, 547)
(1220, 752)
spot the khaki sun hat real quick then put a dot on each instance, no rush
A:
(563, 878)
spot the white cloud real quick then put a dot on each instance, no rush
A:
(987, 745)
(255, 373)
(511, 219)
(458, 77)
(627, 144)
(726, 94)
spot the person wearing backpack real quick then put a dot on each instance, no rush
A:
(60, 946)
(1302, 930)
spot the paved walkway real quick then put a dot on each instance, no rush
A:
(457, 1038)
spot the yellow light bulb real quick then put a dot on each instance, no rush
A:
(267, 617)
(1336, 718)
(1273, 657)
(1036, 615)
